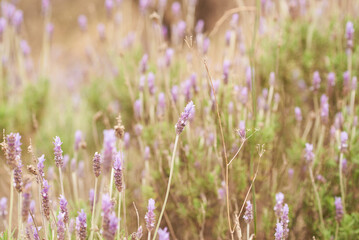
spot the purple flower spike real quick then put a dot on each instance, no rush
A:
(81, 225)
(249, 78)
(50, 30)
(58, 152)
(343, 141)
(309, 155)
(285, 220)
(97, 164)
(182, 121)
(279, 232)
(60, 227)
(161, 107)
(78, 139)
(144, 64)
(176, 9)
(109, 6)
(17, 19)
(354, 83)
(349, 35)
(316, 81)
(163, 234)
(13, 149)
(298, 114)
(117, 166)
(248, 215)
(110, 232)
(40, 165)
(137, 107)
(127, 140)
(242, 130)
(278, 208)
(272, 79)
(109, 149)
(63, 208)
(339, 212)
(150, 216)
(45, 199)
(174, 93)
(25, 48)
(151, 83)
(168, 57)
(18, 175)
(199, 26)
(101, 29)
(324, 108)
(206, 44)
(346, 79)
(331, 79)
(226, 67)
(82, 21)
(3, 207)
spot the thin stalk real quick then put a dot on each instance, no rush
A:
(61, 182)
(248, 231)
(149, 235)
(111, 182)
(168, 186)
(119, 213)
(341, 179)
(11, 202)
(19, 215)
(317, 198)
(93, 210)
(336, 230)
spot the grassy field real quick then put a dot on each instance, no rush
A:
(138, 119)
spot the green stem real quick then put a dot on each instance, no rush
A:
(317, 198)
(11, 202)
(93, 210)
(336, 230)
(119, 214)
(19, 216)
(168, 186)
(341, 179)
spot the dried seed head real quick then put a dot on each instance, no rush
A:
(18, 175)
(119, 128)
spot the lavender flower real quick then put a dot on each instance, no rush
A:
(169, 56)
(243, 95)
(161, 107)
(138, 129)
(309, 155)
(339, 212)
(354, 83)
(278, 208)
(144, 64)
(45, 199)
(150, 216)
(91, 198)
(18, 175)
(137, 107)
(174, 93)
(285, 220)
(151, 83)
(324, 108)
(97, 164)
(272, 79)
(26, 200)
(78, 140)
(138, 234)
(182, 121)
(163, 234)
(249, 78)
(110, 232)
(17, 19)
(176, 9)
(58, 152)
(248, 214)
(109, 148)
(226, 67)
(279, 232)
(147, 153)
(242, 130)
(109, 6)
(63, 208)
(331, 79)
(206, 44)
(126, 140)
(25, 48)
(72, 225)
(343, 141)
(60, 227)
(13, 149)
(346, 79)
(298, 114)
(101, 29)
(117, 166)
(81, 225)
(81, 169)
(349, 35)
(50, 30)
(3, 207)
(82, 21)
(40, 165)
(316, 81)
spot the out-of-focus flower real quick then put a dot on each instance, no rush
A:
(137, 107)
(97, 164)
(185, 116)
(81, 225)
(63, 208)
(126, 140)
(279, 232)
(298, 114)
(150, 216)
(18, 175)
(226, 67)
(285, 220)
(309, 155)
(58, 152)
(316, 81)
(199, 26)
(343, 141)
(349, 35)
(117, 166)
(278, 208)
(109, 149)
(339, 212)
(242, 130)
(176, 10)
(78, 140)
(151, 83)
(61, 226)
(144, 64)
(45, 199)
(101, 30)
(248, 214)
(163, 234)
(3, 207)
(82, 21)
(331, 79)
(324, 109)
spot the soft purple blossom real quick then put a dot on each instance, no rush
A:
(174, 93)
(199, 26)
(346, 79)
(150, 216)
(349, 35)
(316, 81)
(78, 140)
(354, 83)
(18, 183)
(109, 6)
(279, 231)
(309, 155)
(242, 129)
(144, 64)
(168, 56)
(117, 166)
(278, 208)
(298, 114)
(285, 220)
(82, 21)
(61, 226)
(176, 9)
(3, 207)
(331, 79)
(40, 165)
(81, 225)
(249, 78)
(101, 30)
(25, 48)
(343, 141)
(63, 208)
(324, 108)
(58, 152)
(339, 212)
(45, 199)
(137, 108)
(97, 164)
(185, 116)
(109, 149)
(248, 214)
(226, 67)
(272, 79)
(151, 83)
(127, 140)
(163, 234)
(206, 44)
(17, 19)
